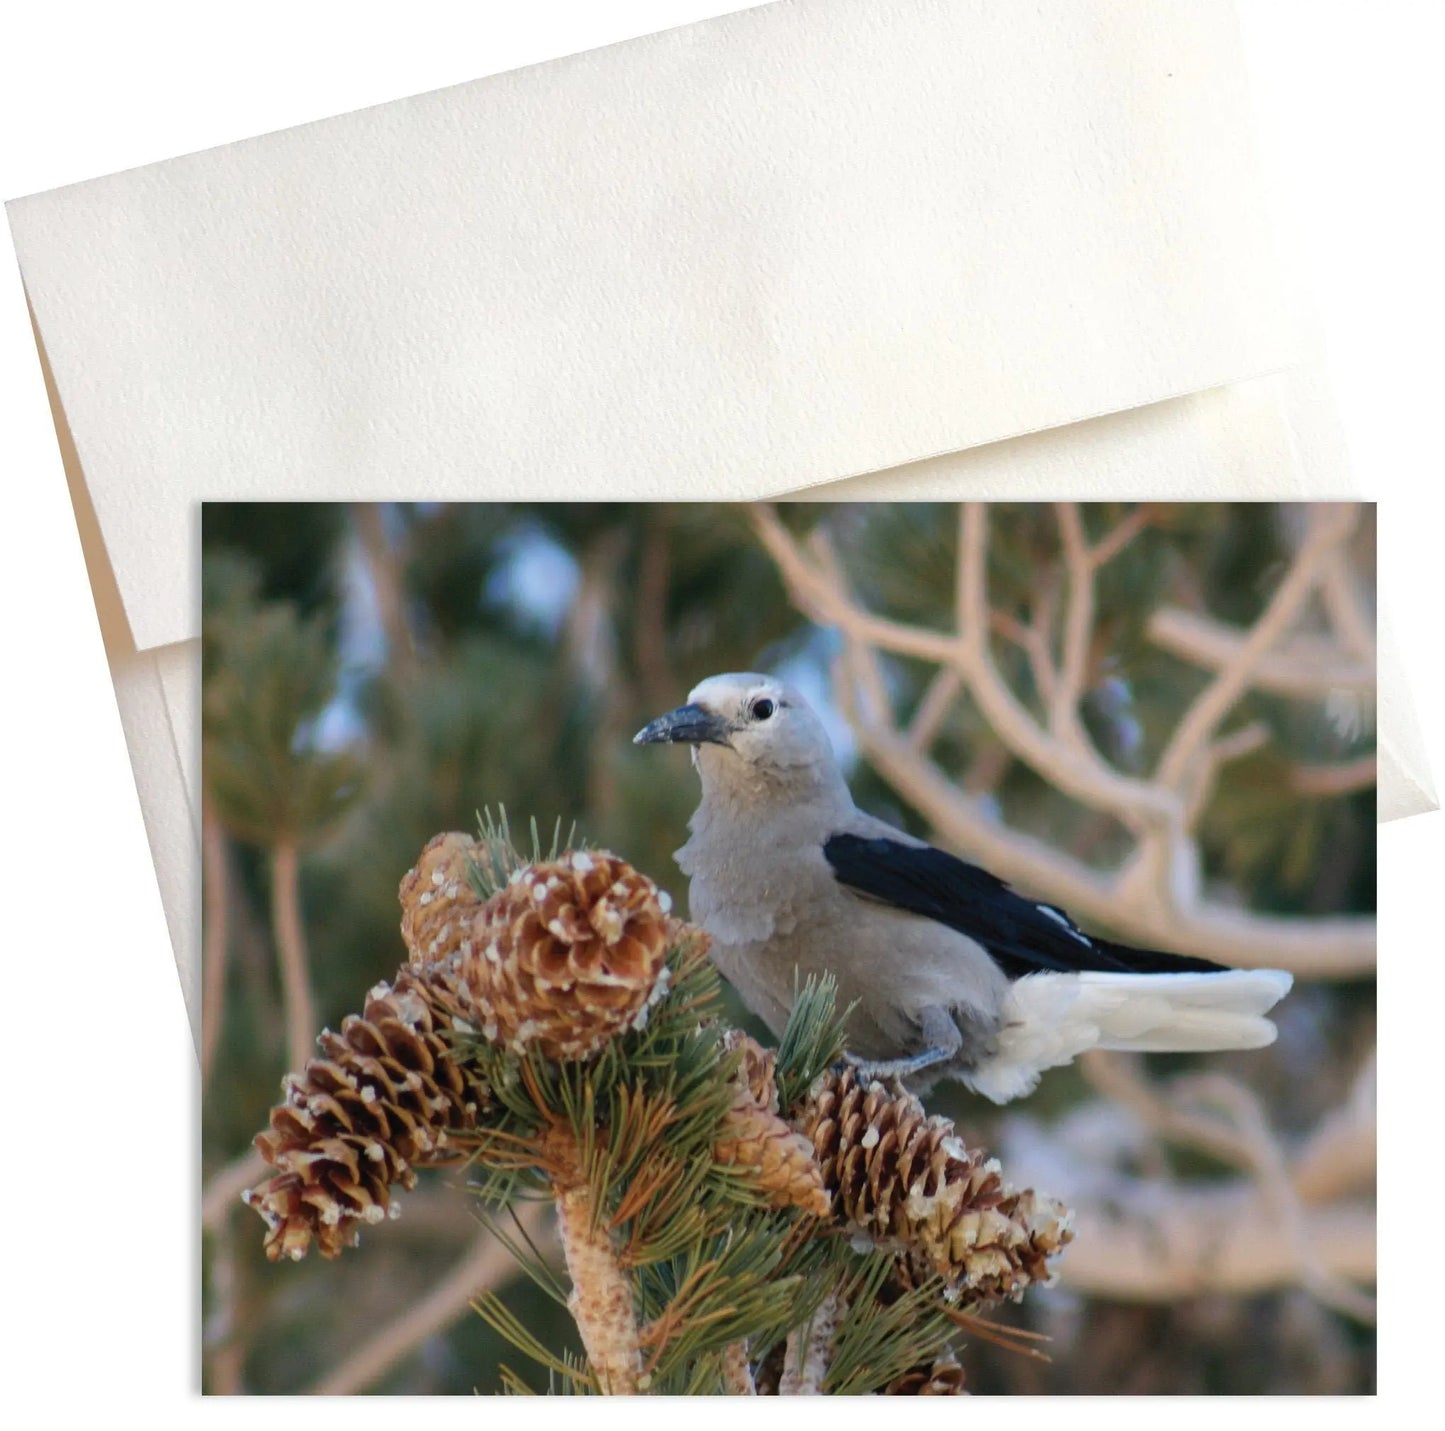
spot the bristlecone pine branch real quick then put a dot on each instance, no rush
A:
(601, 1299)
(566, 955)
(809, 1349)
(907, 1181)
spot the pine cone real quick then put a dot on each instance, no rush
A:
(943, 1377)
(906, 1180)
(780, 1159)
(753, 1135)
(758, 1069)
(567, 955)
(360, 1119)
(437, 903)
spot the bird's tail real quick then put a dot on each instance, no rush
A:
(1183, 1013)
(1052, 1018)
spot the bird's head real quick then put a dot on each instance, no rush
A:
(746, 724)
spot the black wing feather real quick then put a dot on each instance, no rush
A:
(1023, 937)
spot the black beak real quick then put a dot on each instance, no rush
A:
(692, 724)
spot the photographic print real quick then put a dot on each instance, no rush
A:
(695, 948)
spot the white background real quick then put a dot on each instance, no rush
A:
(99, 1193)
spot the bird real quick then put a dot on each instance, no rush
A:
(947, 970)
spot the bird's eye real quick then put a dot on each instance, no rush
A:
(762, 709)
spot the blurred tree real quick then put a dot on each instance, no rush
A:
(268, 676)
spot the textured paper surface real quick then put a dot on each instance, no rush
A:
(777, 248)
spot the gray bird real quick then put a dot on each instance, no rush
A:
(953, 973)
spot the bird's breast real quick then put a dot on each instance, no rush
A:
(739, 894)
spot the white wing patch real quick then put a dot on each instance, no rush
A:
(1059, 917)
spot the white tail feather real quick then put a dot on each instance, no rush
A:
(1052, 1018)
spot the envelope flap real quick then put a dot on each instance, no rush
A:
(779, 248)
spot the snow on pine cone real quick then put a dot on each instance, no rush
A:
(906, 1180)
(359, 1119)
(567, 955)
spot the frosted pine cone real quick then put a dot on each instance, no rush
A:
(567, 955)
(437, 903)
(907, 1180)
(358, 1120)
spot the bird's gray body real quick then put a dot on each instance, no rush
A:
(777, 915)
(792, 880)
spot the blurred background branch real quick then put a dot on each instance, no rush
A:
(1153, 897)
(215, 936)
(486, 1265)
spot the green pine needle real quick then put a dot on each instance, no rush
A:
(525, 1252)
(877, 1340)
(813, 1039)
(500, 1318)
(512, 1384)
(500, 858)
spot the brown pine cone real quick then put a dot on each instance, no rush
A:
(758, 1069)
(362, 1117)
(907, 1181)
(779, 1159)
(943, 1377)
(437, 903)
(567, 955)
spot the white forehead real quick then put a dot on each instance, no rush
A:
(726, 690)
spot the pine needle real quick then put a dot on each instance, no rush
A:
(502, 1321)
(813, 1039)
(1012, 1339)
(877, 1341)
(526, 1255)
(512, 1384)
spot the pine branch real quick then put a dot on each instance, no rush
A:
(695, 1218)
(810, 1350)
(601, 1300)
(737, 1374)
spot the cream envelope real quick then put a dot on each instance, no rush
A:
(765, 252)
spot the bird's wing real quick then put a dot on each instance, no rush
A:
(1022, 936)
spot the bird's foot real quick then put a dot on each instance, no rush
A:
(892, 1071)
